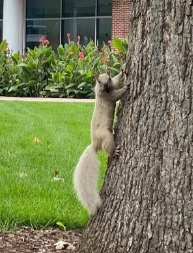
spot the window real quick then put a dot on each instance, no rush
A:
(1, 20)
(85, 28)
(35, 29)
(104, 30)
(43, 8)
(1, 9)
(90, 19)
(78, 8)
(1, 30)
(104, 8)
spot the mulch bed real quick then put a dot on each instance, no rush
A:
(28, 240)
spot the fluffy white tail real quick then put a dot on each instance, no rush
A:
(85, 179)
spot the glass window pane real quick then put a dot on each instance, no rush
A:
(1, 9)
(78, 8)
(103, 30)
(1, 30)
(35, 29)
(104, 8)
(85, 28)
(43, 8)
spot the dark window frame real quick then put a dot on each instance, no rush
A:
(96, 18)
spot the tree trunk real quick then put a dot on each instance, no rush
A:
(147, 193)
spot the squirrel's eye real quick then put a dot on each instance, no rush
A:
(99, 81)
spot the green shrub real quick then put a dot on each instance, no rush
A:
(67, 73)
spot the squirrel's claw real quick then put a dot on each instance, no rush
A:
(117, 151)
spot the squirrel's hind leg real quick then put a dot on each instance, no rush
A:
(108, 144)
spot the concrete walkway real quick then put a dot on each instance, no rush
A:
(26, 99)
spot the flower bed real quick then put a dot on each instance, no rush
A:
(41, 72)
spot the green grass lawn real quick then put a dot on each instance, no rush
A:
(37, 139)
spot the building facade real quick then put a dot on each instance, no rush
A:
(23, 22)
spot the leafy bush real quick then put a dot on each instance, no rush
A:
(67, 73)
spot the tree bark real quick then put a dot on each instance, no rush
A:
(147, 193)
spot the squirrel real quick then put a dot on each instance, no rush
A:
(86, 172)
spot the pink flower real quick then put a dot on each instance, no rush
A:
(110, 42)
(41, 40)
(78, 38)
(68, 37)
(81, 55)
(46, 42)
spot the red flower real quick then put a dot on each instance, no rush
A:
(46, 42)
(68, 37)
(41, 40)
(81, 55)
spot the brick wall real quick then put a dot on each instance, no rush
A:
(121, 10)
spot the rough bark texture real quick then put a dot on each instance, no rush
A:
(147, 193)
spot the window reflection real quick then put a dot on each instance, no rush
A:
(35, 29)
(82, 27)
(104, 8)
(1, 30)
(77, 17)
(43, 8)
(104, 30)
(1, 9)
(78, 8)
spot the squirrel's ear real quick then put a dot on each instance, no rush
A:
(96, 76)
(108, 72)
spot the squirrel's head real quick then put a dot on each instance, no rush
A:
(104, 82)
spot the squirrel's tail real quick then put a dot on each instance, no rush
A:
(85, 179)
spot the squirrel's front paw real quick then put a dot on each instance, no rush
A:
(117, 151)
(126, 87)
(122, 73)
